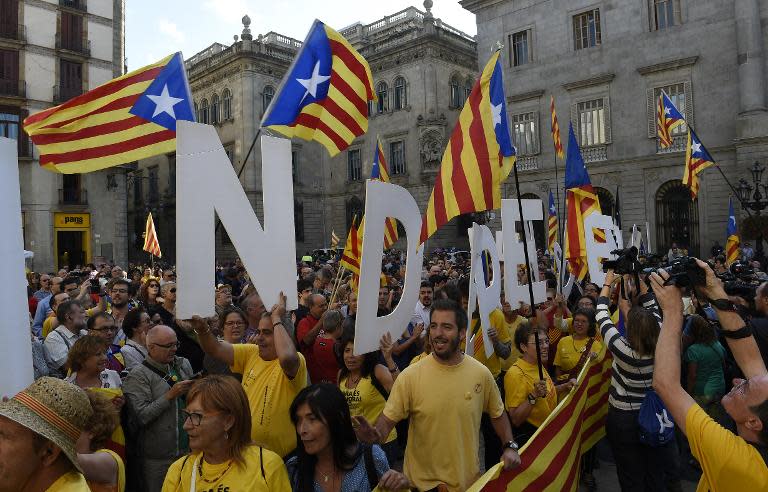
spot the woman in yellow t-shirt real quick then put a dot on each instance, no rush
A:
(528, 399)
(575, 350)
(366, 384)
(103, 468)
(222, 457)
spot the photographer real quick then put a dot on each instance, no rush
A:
(759, 322)
(728, 462)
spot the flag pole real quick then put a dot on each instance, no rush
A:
(528, 270)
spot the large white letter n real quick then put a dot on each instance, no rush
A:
(206, 183)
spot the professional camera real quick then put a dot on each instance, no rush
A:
(625, 263)
(740, 280)
(685, 272)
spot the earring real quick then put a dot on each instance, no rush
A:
(226, 435)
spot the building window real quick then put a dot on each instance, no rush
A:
(71, 35)
(370, 109)
(456, 90)
(665, 13)
(354, 211)
(10, 127)
(215, 109)
(9, 72)
(467, 88)
(400, 100)
(677, 218)
(525, 133)
(70, 80)
(226, 97)
(521, 53)
(586, 29)
(397, 157)
(9, 12)
(298, 220)
(267, 95)
(381, 93)
(592, 127)
(204, 111)
(138, 188)
(605, 198)
(354, 165)
(154, 189)
(677, 95)
(197, 113)
(295, 166)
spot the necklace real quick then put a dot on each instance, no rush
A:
(352, 383)
(578, 350)
(213, 480)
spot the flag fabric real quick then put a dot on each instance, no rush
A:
(478, 157)
(552, 224)
(151, 245)
(580, 201)
(353, 249)
(617, 212)
(697, 159)
(732, 232)
(380, 171)
(128, 118)
(334, 239)
(551, 457)
(667, 119)
(555, 128)
(324, 95)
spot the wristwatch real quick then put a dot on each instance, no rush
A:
(510, 445)
(531, 399)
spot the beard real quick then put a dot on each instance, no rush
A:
(119, 305)
(453, 347)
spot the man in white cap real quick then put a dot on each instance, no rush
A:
(38, 431)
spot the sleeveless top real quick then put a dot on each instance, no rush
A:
(365, 400)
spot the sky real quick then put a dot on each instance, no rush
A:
(156, 28)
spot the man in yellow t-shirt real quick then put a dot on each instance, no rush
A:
(273, 374)
(500, 338)
(444, 396)
(728, 461)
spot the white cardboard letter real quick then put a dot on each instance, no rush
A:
(384, 200)
(206, 182)
(515, 255)
(595, 250)
(487, 296)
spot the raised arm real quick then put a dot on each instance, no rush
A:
(284, 346)
(219, 349)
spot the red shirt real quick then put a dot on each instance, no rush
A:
(321, 361)
(304, 327)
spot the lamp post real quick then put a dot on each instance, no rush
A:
(755, 201)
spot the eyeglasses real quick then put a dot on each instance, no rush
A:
(105, 328)
(234, 323)
(168, 346)
(119, 291)
(195, 417)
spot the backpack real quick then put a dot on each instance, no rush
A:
(656, 428)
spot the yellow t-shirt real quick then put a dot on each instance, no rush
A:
(518, 383)
(493, 363)
(365, 400)
(445, 404)
(70, 482)
(727, 461)
(229, 475)
(48, 325)
(419, 357)
(120, 485)
(512, 329)
(570, 350)
(270, 394)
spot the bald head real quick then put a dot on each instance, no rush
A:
(161, 334)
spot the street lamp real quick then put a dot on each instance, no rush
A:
(754, 200)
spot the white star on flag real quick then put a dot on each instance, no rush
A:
(552, 209)
(164, 103)
(667, 111)
(313, 81)
(695, 147)
(496, 112)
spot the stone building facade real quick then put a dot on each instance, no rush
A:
(51, 51)
(423, 70)
(605, 63)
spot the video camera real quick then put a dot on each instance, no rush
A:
(625, 263)
(685, 272)
(740, 280)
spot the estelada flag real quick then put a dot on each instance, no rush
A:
(478, 157)
(697, 159)
(151, 244)
(324, 95)
(667, 119)
(732, 243)
(128, 118)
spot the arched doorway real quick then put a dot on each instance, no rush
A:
(677, 218)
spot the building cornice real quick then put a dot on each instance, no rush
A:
(525, 96)
(592, 81)
(668, 65)
(475, 6)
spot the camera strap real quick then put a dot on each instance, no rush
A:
(743, 332)
(723, 304)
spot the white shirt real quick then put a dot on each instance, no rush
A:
(421, 314)
(109, 379)
(58, 342)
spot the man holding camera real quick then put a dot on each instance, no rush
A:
(728, 461)
(759, 322)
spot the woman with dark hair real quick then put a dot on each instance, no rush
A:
(136, 324)
(231, 325)
(149, 292)
(573, 351)
(328, 455)
(638, 465)
(217, 419)
(366, 385)
(705, 357)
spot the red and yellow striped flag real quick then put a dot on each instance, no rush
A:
(151, 245)
(550, 459)
(129, 118)
(555, 128)
(380, 171)
(324, 96)
(478, 157)
(353, 249)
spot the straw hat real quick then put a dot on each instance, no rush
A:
(54, 409)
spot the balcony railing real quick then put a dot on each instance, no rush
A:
(527, 163)
(14, 32)
(63, 93)
(79, 45)
(73, 196)
(678, 145)
(595, 154)
(81, 5)
(13, 88)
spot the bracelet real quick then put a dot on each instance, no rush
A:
(205, 332)
(278, 323)
(393, 370)
(606, 285)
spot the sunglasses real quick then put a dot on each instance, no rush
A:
(173, 291)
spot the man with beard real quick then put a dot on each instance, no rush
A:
(119, 305)
(444, 395)
(71, 316)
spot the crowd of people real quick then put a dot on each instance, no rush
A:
(128, 397)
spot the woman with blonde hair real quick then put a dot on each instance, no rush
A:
(217, 419)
